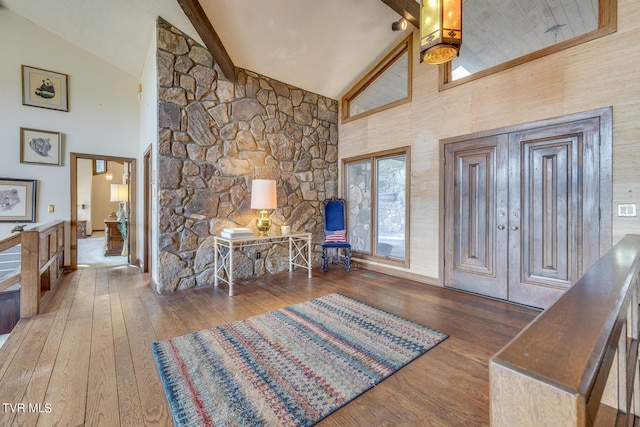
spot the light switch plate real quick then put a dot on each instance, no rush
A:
(627, 209)
(51, 208)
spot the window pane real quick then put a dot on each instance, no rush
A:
(494, 33)
(386, 85)
(359, 205)
(391, 209)
(389, 87)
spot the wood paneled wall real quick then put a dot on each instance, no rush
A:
(597, 74)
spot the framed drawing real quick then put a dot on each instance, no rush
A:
(40, 146)
(99, 166)
(45, 89)
(17, 200)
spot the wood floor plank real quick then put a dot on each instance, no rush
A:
(59, 307)
(67, 390)
(129, 406)
(12, 346)
(18, 375)
(141, 334)
(37, 372)
(102, 391)
(94, 365)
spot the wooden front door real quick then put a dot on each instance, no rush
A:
(478, 186)
(522, 211)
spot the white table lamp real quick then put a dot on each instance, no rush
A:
(120, 193)
(263, 197)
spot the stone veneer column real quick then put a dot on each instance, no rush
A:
(214, 138)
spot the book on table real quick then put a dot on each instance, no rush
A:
(236, 233)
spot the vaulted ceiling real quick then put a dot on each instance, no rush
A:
(321, 46)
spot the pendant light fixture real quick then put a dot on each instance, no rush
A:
(440, 30)
(109, 175)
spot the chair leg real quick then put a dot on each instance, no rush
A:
(324, 259)
(347, 259)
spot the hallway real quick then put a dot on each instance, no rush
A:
(91, 252)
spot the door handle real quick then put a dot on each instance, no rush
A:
(501, 227)
(514, 228)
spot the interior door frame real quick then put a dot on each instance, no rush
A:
(73, 252)
(605, 116)
(147, 213)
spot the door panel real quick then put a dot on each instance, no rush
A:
(479, 202)
(546, 255)
(544, 248)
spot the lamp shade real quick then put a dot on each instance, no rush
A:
(119, 192)
(440, 30)
(263, 194)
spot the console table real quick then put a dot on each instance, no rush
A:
(223, 247)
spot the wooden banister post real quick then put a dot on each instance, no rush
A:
(30, 274)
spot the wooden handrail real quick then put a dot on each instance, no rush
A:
(8, 243)
(555, 371)
(45, 228)
(9, 281)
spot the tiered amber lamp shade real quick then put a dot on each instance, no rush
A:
(440, 30)
(263, 197)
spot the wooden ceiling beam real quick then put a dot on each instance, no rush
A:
(408, 9)
(202, 25)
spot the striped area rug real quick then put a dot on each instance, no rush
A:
(288, 367)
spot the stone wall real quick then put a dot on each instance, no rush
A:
(214, 137)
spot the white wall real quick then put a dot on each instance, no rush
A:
(102, 118)
(149, 137)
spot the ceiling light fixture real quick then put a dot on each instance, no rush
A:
(399, 25)
(108, 176)
(440, 30)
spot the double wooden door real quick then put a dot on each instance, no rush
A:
(522, 211)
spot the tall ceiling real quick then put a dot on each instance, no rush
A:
(320, 46)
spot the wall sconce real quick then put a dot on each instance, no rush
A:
(440, 30)
(263, 197)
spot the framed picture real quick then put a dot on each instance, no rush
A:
(45, 89)
(40, 147)
(99, 166)
(17, 200)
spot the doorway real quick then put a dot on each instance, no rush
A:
(99, 166)
(529, 208)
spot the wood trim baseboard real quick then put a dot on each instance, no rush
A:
(367, 265)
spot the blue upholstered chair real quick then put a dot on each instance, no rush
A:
(335, 233)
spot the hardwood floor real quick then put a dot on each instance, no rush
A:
(87, 359)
